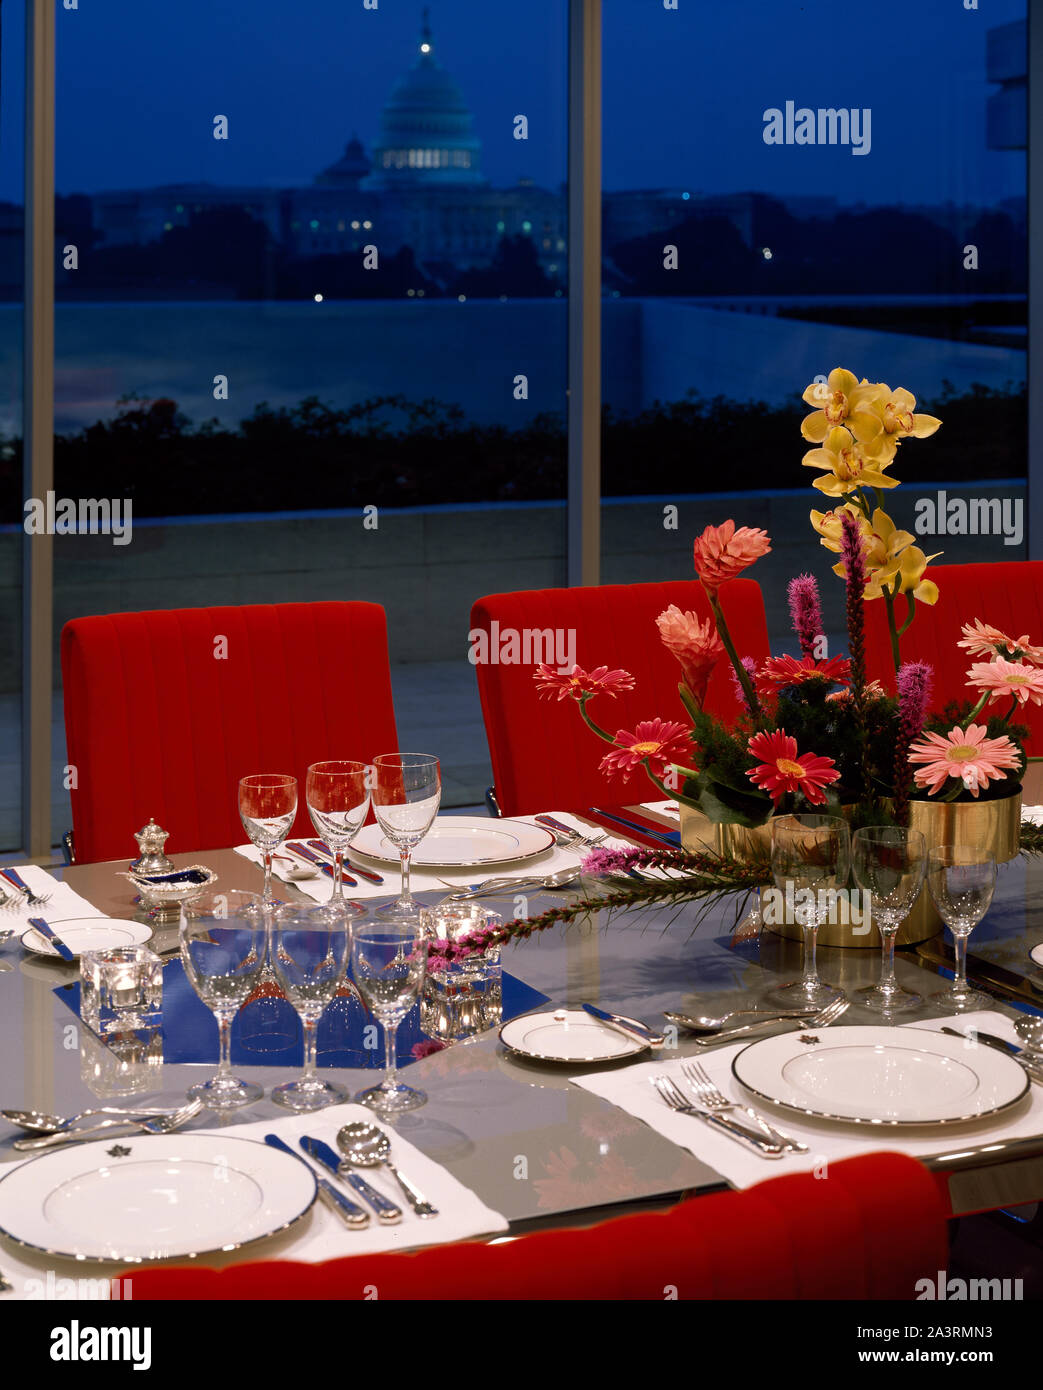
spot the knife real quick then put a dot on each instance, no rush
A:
(1002, 1045)
(352, 1216)
(629, 1027)
(303, 852)
(670, 838)
(322, 1153)
(49, 934)
(321, 847)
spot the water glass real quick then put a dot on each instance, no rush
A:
(310, 950)
(889, 863)
(223, 939)
(407, 789)
(388, 960)
(337, 796)
(267, 809)
(810, 862)
(961, 880)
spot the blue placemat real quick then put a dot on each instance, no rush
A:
(267, 1032)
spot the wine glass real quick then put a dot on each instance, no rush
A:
(222, 938)
(388, 960)
(961, 880)
(338, 802)
(889, 863)
(267, 807)
(310, 949)
(810, 861)
(406, 791)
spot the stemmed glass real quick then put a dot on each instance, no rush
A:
(961, 880)
(889, 863)
(406, 791)
(388, 961)
(338, 801)
(310, 947)
(222, 938)
(810, 860)
(267, 807)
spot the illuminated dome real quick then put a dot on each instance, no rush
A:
(426, 131)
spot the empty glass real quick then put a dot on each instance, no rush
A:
(223, 941)
(267, 807)
(407, 789)
(310, 950)
(889, 863)
(961, 881)
(337, 797)
(388, 960)
(810, 861)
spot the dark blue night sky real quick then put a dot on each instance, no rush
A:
(139, 83)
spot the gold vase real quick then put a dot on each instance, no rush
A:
(993, 826)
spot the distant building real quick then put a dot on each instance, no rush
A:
(1006, 62)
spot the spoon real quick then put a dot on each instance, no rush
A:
(702, 1024)
(366, 1146)
(37, 1123)
(1029, 1028)
(503, 887)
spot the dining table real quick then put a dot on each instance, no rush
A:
(530, 1140)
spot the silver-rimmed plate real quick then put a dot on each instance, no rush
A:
(87, 934)
(156, 1197)
(567, 1035)
(881, 1076)
(461, 842)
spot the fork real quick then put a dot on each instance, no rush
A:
(670, 1092)
(15, 879)
(159, 1124)
(706, 1093)
(823, 1019)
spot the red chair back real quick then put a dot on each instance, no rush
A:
(543, 756)
(869, 1228)
(1008, 596)
(165, 711)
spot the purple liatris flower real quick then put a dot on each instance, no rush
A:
(609, 861)
(806, 612)
(914, 681)
(750, 667)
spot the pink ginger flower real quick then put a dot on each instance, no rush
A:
(722, 552)
(694, 643)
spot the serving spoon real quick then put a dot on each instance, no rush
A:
(702, 1024)
(366, 1146)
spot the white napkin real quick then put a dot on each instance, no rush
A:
(63, 904)
(632, 1091)
(431, 880)
(1032, 815)
(321, 1235)
(663, 808)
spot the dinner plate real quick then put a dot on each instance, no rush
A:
(461, 842)
(880, 1076)
(153, 1198)
(87, 934)
(1037, 953)
(567, 1035)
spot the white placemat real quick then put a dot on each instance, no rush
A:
(63, 904)
(631, 1089)
(431, 880)
(319, 1236)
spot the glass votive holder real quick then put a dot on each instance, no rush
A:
(452, 921)
(125, 1064)
(464, 998)
(121, 989)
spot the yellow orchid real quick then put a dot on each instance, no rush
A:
(896, 413)
(846, 465)
(890, 553)
(842, 400)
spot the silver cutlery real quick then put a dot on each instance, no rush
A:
(1032, 1066)
(705, 1024)
(570, 833)
(629, 1027)
(309, 855)
(159, 1124)
(5, 1284)
(371, 876)
(37, 1123)
(495, 887)
(366, 1146)
(48, 933)
(343, 1207)
(15, 879)
(1029, 1028)
(714, 1099)
(387, 1212)
(822, 1019)
(752, 1139)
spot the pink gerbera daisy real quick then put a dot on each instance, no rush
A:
(722, 552)
(659, 741)
(781, 770)
(1001, 677)
(980, 639)
(965, 754)
(787, 670)
(580, 684)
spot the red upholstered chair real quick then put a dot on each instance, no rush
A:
(542, 755)
(1008, 595)
(867, 1228)
(165, 711)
